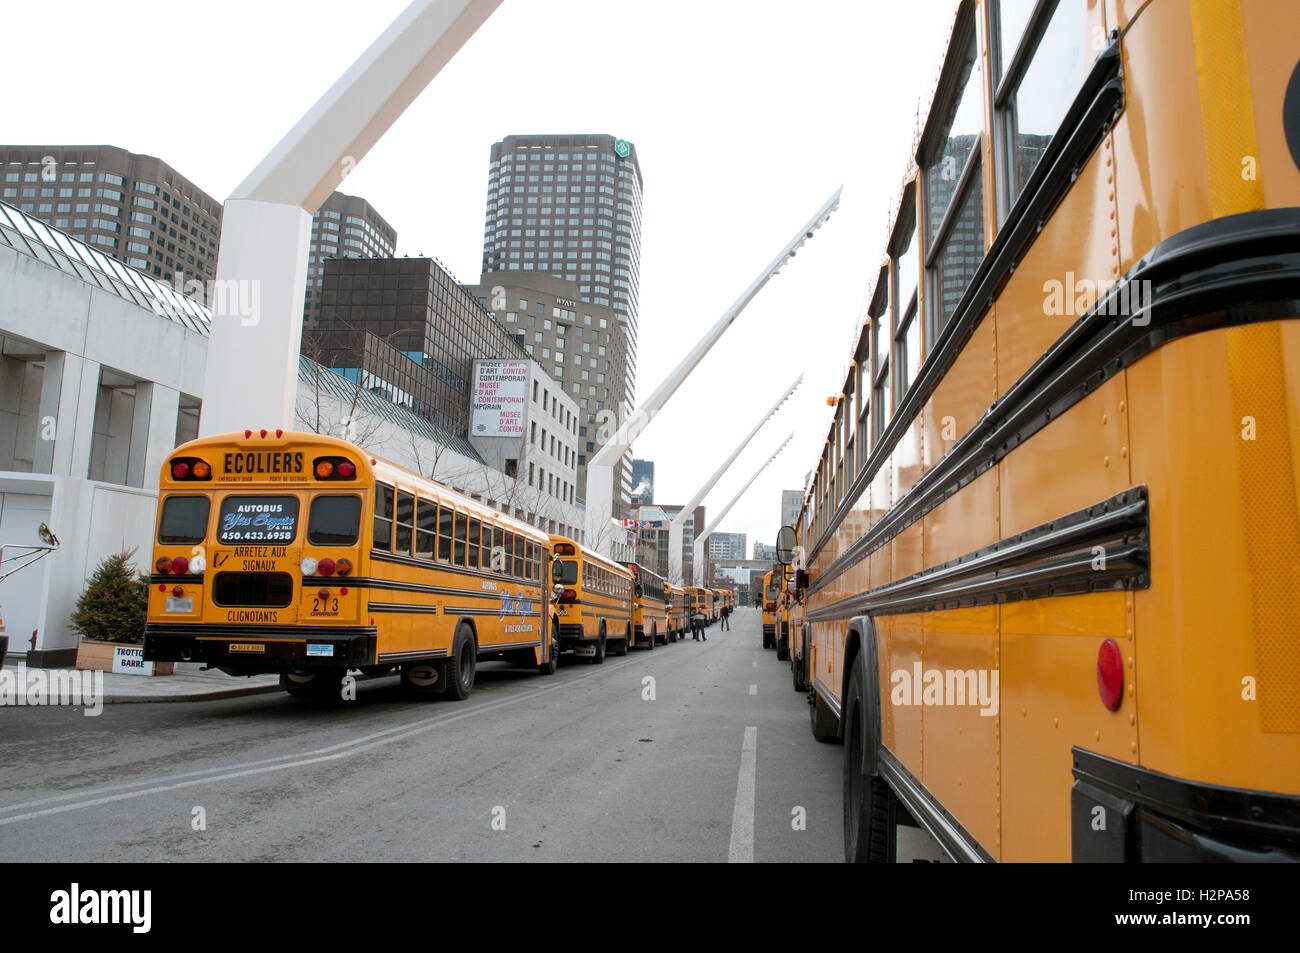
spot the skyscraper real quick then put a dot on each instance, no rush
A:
(643, 481)
(345, 226)
(568, 208)
(135, 208)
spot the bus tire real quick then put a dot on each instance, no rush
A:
(794, 673)
(599, 657)
(459, 669)
(783, 644)
(869, 832)
(549, 667)
(624, 643)
(822, 720)
(654, 637)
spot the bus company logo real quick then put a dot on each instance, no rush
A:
(39, 686)
(946, 688)
(73, 907)
(515, 605)
(1077, 297)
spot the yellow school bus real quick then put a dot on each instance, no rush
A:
(699, 602)
(679, 621)
(1054, 547)
(783, 580)
(304, 556)
(649, 607)
(593, 610)
(771, 595)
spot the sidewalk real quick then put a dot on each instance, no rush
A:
(188, 684)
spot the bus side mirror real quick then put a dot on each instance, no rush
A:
(786, 541)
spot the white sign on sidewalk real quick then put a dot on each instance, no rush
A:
(129, 660)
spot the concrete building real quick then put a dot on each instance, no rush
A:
(345, 226)
(418, 308)
(764, 552)
(101, 369)
(791, 504)
(135, 208)
(578, 344)
(724, 546)
(652, 539)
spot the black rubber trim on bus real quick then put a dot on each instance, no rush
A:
(1158, 817)
(1052, 559)
(925, 808)
(1088, 120)
(1228, 272)
(258, 633)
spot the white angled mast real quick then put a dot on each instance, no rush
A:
(701, 539)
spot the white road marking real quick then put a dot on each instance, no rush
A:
(753, 689)
(265, 765)
(741, 849)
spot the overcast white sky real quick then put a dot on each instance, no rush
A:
(746, 114)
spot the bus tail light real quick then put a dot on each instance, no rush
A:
(177, 591)
(324, 594)
(568, 595)
(308, 566)
(1110, 674)
(334, 468)
(180, 566)
(326, 567)
(344, 567)
(163, 565)
(191, 468)
(565, 549)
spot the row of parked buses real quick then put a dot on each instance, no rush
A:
(303, 556)
(1052, 545)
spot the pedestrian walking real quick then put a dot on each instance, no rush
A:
(726, 624)
(697, 626)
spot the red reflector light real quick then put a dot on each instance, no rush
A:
(324, 594)
(326, 567)
(263, 433)
(247, 434)
(180, 565)
(163, 565)
(180, 470)
(162, 587)
(1110, 674)
(177, 591)
(344, 567)
(346, 469)
(279, 432)
(343, 591)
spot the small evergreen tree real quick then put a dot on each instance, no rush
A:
(114, 605)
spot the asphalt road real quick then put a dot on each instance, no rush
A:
(581, 766)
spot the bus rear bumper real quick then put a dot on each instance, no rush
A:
(1122, 813)
(253, 649)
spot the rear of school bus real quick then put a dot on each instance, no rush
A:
(770, 597)
(228, 585)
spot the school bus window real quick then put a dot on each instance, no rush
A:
(446, 517)
(534, 562)
(566, 571)
(334, 521)
(954, 191)
(501, 559)
(907, 333)
(405, 523)
(519, 557)
(1042, 66)
(473, 550)
(462, 528)
(184, 519)
(426, 529)
(383, 517)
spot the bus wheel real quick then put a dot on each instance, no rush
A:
(783, 649)
(321, 684)
(459, 669)
(624, 643)
(822, 720)
(423, 679)
(869, 831)
(376, 671)
(654, 637)
(794, 672)
(549, 667)
(599, 657)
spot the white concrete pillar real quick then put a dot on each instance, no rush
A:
(251, 377)
(69, 391)
(153, 433)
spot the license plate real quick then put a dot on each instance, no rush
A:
(247, 647)
(322, 650)
(585, 650)
(185, 604)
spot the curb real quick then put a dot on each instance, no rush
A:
(191, 697)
